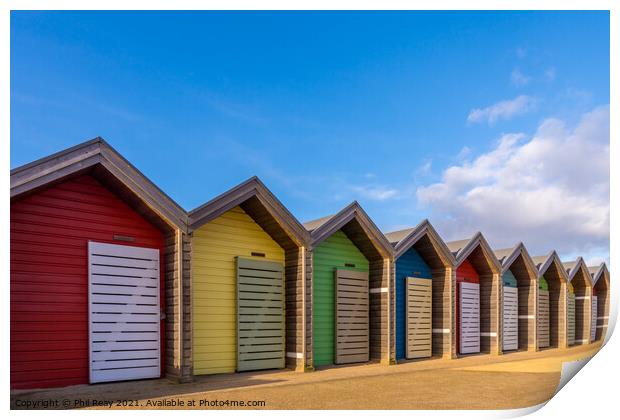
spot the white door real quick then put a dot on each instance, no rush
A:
(469, 308)
(594, 316)
(124, 312)
(510, 320)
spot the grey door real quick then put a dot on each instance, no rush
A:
(571, 319)
(260, 315)
(593, 318)
(419, 317)
(543, 318)
(352, 325)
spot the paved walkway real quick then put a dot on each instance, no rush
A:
(476, 382)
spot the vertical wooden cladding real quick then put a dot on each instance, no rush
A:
(420, 253)
(50, 230)
(601, 291)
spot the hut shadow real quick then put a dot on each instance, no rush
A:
(419, 360)
(147, 389)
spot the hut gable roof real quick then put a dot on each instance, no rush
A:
(462, 248)
(255, 198)
(98, 157)
(321, 229)
(599, 272)
(403, 240)
(573, 267)
(543, 262)
(507, 257)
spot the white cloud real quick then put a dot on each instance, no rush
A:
(550, 74)
(550, 191)
(502, 110)
(519, 79)
(375, 192)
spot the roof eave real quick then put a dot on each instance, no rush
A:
(424, 228)
(252, 187)
(520, 249)
(87, 155)
(344, 216)
(479, 239)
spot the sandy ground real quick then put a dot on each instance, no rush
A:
(513, 380)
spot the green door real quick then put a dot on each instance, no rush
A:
(335, 252)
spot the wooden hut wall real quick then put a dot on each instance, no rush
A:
(583, 309)
(443, 297)
(601, 290)
(557, 307)
(527, 285)
(490, 302)
(380, 272)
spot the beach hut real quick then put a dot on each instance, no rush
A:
(600, 278)
(519, 297)
(247, 292)
(581, 287)
(95, 273)
(350, 277)
(551, 317)
(424, 276)
(477, 291)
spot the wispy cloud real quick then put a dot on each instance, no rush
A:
(375, 192)
(550, 74)
(536, 189)
(519, 79)
(502, 110)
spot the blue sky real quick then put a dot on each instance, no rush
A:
(328, 107)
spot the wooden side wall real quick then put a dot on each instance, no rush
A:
(379, 315)
(602, 292)
(443, 321)
(294, 304)
(528, 295)
(490, 308)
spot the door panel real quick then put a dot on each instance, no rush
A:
(543, 319)
(419, 317)
(593, 318)
(124, 313)
(469, 316)
(260, 320)
(352, 319)
(510, 321)
(570, 321)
